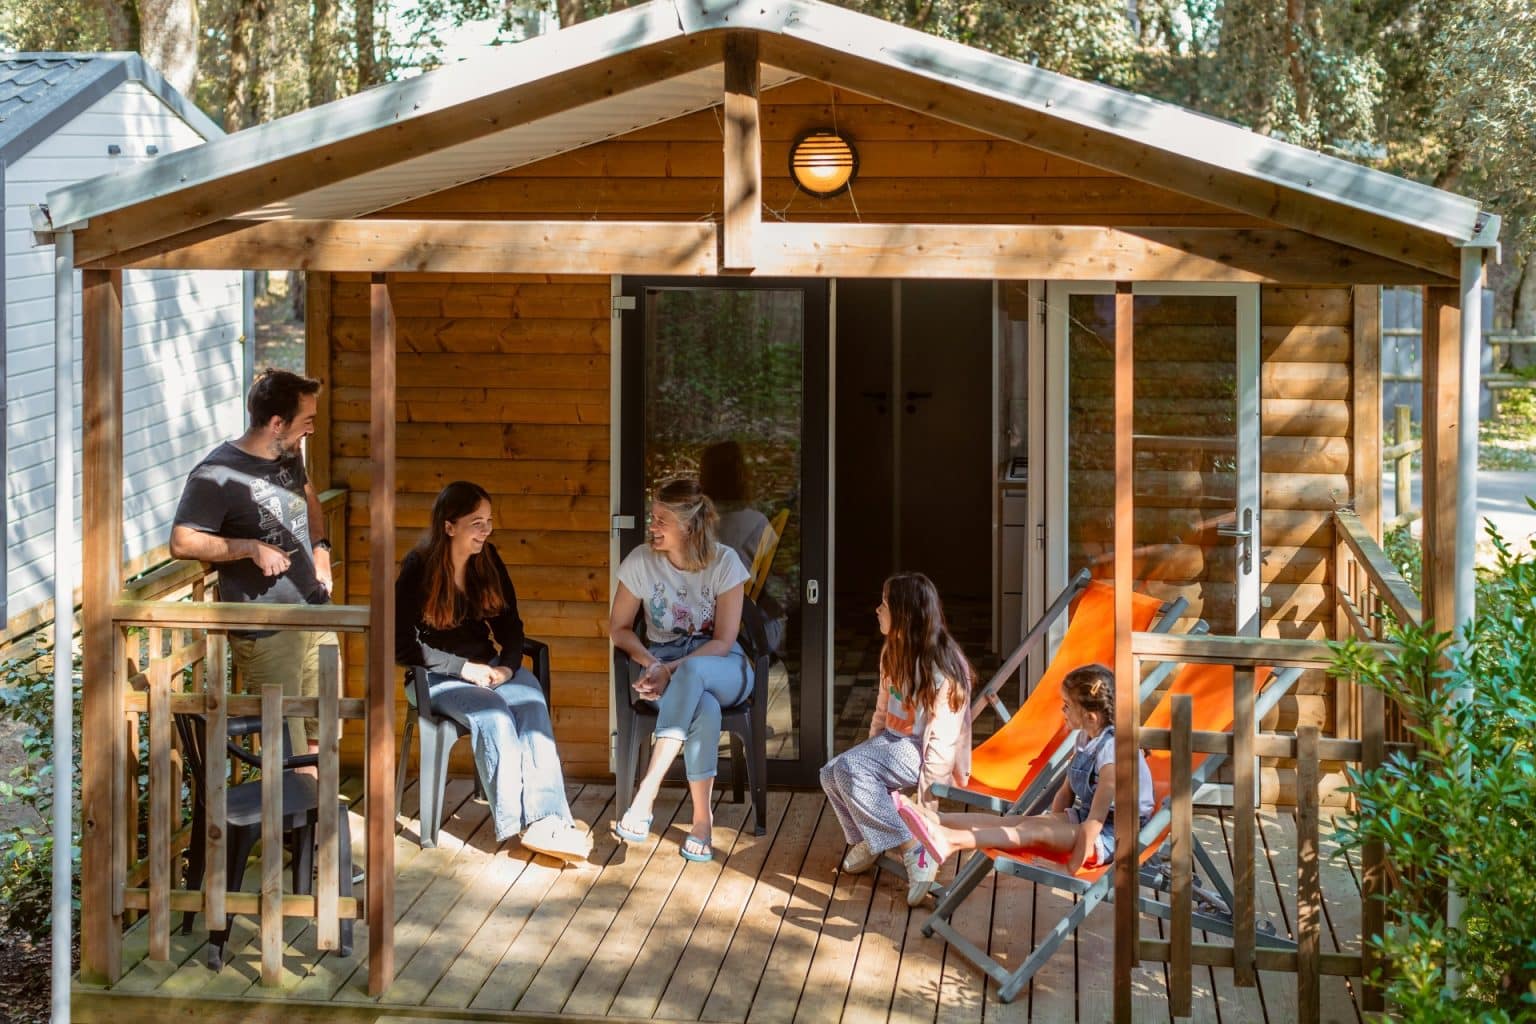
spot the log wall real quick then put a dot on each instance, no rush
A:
(503, 381)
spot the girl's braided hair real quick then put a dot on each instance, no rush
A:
(1092, 687)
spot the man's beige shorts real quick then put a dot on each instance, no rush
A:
(291, 659)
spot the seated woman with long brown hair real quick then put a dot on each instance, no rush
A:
(456, 617)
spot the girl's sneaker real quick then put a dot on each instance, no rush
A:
(922, 869)
(860, 858)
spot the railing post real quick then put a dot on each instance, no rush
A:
(1402, 469)
(1309, 894)
(1181, 862)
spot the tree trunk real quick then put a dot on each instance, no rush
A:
(237, 106)
(1295, 60)
(263, 90)
(168, 34)
(324, 54)
(1522, 314)
(369, 71)
(570, 12)
(122, 18)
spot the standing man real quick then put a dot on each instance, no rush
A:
(249, 508)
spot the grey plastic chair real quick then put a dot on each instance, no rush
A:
(438, 735)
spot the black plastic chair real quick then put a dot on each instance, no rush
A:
(438, 735)
(243, 819)
(747, 722)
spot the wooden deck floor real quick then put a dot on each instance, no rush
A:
(769, 932)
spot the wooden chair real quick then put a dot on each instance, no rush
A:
(1210, 686)
(438, 735)
(746, 722)
(243, 819)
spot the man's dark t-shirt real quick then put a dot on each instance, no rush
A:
(242, 497)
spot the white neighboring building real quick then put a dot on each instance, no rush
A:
(65, 117)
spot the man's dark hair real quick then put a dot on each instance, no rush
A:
(277, 393)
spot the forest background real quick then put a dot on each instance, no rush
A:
(1439, 91)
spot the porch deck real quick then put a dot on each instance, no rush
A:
(771, 931)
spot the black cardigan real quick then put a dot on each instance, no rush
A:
(446, 650)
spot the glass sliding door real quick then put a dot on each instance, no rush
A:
(1196, 445)
(728, 383)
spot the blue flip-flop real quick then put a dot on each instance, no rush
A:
(694, 856)
(631, 835)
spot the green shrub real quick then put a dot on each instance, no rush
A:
(1461, 815)
(26, 849)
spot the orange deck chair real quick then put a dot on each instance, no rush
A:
(1211, 688)
(1011, 764)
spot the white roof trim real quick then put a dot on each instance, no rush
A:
(1145, 121)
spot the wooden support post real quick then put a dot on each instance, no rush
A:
(1402, 466)
(328, 864)
(1181, 863)
(1244, 827)
(272, 728)
(215, 701)
(1309, 893)
(1127, 711)
(743, 154)
(160, 825)
(1373, 858)
(380, 797)
(1442, 397)
(101, 851)
(317, 364)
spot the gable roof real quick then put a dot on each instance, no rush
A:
(611, 75)
(41, 92)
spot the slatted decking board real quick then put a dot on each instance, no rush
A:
(772, 931)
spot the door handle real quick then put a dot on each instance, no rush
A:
(1244, 534)
(914, 396)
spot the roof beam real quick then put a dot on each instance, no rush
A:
(743, 153)
(312, 158)
(690, 248)
(929, 91)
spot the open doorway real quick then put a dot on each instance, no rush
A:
(914, 468)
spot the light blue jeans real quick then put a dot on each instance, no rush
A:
(689, 709)
(514, 745)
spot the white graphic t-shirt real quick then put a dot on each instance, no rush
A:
(679, 604)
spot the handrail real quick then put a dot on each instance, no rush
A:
(1383, 576)
(1240, 651)
(346, 618)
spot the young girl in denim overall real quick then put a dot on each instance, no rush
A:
(1080, 825)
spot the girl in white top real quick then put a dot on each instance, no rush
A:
(690, 589)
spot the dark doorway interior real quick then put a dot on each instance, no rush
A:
(913, 466)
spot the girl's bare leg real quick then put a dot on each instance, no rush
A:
(975, 831)
(663, 751)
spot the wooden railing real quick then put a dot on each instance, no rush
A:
(1243, 746)
(1370, 594)
(171, 659)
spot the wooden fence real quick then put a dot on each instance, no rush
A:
(1370, 590)
(171, 650)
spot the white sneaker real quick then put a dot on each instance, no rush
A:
(922, 869)
(559, 839)
(860, 858)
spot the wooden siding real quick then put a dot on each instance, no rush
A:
(503, 381)
(182, 389)
(912, 169)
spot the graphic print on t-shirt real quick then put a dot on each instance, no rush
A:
(689, 617)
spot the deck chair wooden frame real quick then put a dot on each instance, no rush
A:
(1097, 885)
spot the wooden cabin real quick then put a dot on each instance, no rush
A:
(1047, 325)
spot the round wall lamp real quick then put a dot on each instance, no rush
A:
(823, 163)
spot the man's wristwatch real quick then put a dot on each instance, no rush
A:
(321, 545)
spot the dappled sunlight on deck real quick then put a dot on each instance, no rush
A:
(771, 930)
